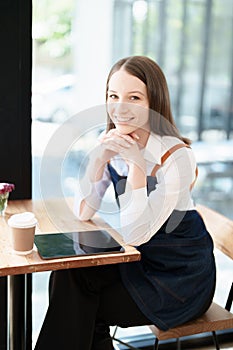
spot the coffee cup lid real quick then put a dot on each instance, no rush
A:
(22, 220)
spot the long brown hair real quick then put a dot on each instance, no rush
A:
(145, 69)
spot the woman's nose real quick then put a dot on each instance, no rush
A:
(121, 107)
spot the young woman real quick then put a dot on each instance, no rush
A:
(152, 169)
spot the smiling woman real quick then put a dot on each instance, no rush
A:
(151, 167)
(155, 96)
(126, 94)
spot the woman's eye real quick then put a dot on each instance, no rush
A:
(112, 96)
(133, 98)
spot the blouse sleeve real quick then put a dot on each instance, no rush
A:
(92, 193)
(142, 216)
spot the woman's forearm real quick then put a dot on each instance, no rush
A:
(92, 186)
(137, 175)
(95, 170)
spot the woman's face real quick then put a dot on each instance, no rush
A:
(127, 102)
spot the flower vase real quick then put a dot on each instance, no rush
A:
(3, 203)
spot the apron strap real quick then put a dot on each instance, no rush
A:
(165, 157)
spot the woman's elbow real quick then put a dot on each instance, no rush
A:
(84, 215)
(84, 212)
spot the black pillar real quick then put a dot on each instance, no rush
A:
(15, 140)
(15, 92)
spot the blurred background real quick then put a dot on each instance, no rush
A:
(75, 42)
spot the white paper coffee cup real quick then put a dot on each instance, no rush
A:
(23, 227)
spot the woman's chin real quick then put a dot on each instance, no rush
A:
(125, 129)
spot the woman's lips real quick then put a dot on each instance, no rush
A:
(124, 120)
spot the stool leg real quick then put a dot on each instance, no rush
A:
(156, 346)
(120, 341)
(178, 347)
(114, 333)
(215, 340)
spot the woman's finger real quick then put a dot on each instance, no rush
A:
(112, 146)
(117, 142)
(126, 137)
(135, 136)
(118, 139)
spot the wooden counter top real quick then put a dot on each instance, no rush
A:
(13, 264)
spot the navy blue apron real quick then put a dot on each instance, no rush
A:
(174, 281)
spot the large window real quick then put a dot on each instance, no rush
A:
(74, 45)
(186, 39)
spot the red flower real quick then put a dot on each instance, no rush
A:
(5, 187)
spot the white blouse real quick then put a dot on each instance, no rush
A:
(141, 216)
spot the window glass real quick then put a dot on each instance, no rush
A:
(52, 102)
(73, 49)
(218, 94)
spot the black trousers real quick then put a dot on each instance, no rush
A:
(83, 303)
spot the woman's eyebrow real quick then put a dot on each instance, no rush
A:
(136, 92)
(130, 92)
